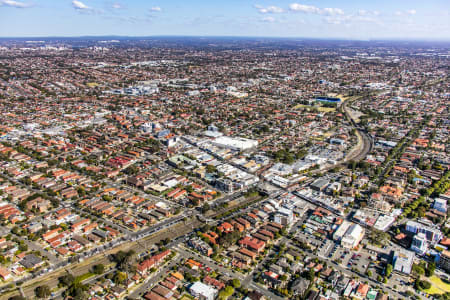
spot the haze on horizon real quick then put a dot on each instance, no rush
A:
(348, 19)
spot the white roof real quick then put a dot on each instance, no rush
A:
(354, 231)
(171, 183)
(161, 204)
(384, 222)
(284, 211)
(341, 230)
(440, 201)
(403, 260)
(235, 142)
(203, 289)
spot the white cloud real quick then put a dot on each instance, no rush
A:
(80, 5)
(270, 9)
(155, 8)
(12, 3)
(409, 12)
(268, 19)
(363, 12)
(304, 8)
(334, 21)
(356, 19)
(117, 6)
(332, 11)
(310, 9)
(130, 19)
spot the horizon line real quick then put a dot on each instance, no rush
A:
(236, 36)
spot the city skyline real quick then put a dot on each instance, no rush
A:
(308, 19)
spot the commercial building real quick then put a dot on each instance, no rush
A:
(419, 244)
(431, 231)
(203, 291)
(353, 236)
(320, 184)
(384, 222)
(284, 216)
(444, 260)
(440, 205)
(403, 261)
(225, 185)
(341, 230)
(235, 143)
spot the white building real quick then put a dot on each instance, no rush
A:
(193, 93)
(352, 236)
(431, 231)
(284, 217)
(384, 222)
(147, 127)
(235, 143)
(203, 291)
(403, 261)
(30, 126)
(341, 230)
(419, 244)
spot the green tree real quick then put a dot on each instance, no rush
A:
(422, 284)
(98, 269)
(66, 280)
(120, 277)
(236, 283)
(226, 292)
(211, 169)
(42, 291)
(23, 247)
(429, 271)
(205, 207)
(309, 274)
(388, 270)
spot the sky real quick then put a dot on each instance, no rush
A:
(346, 19)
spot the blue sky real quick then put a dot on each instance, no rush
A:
(349, 19)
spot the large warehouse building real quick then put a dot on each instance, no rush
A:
(235, 143)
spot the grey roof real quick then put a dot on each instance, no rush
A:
(300, 285)
(30, 261)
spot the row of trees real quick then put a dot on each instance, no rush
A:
(288, 157)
